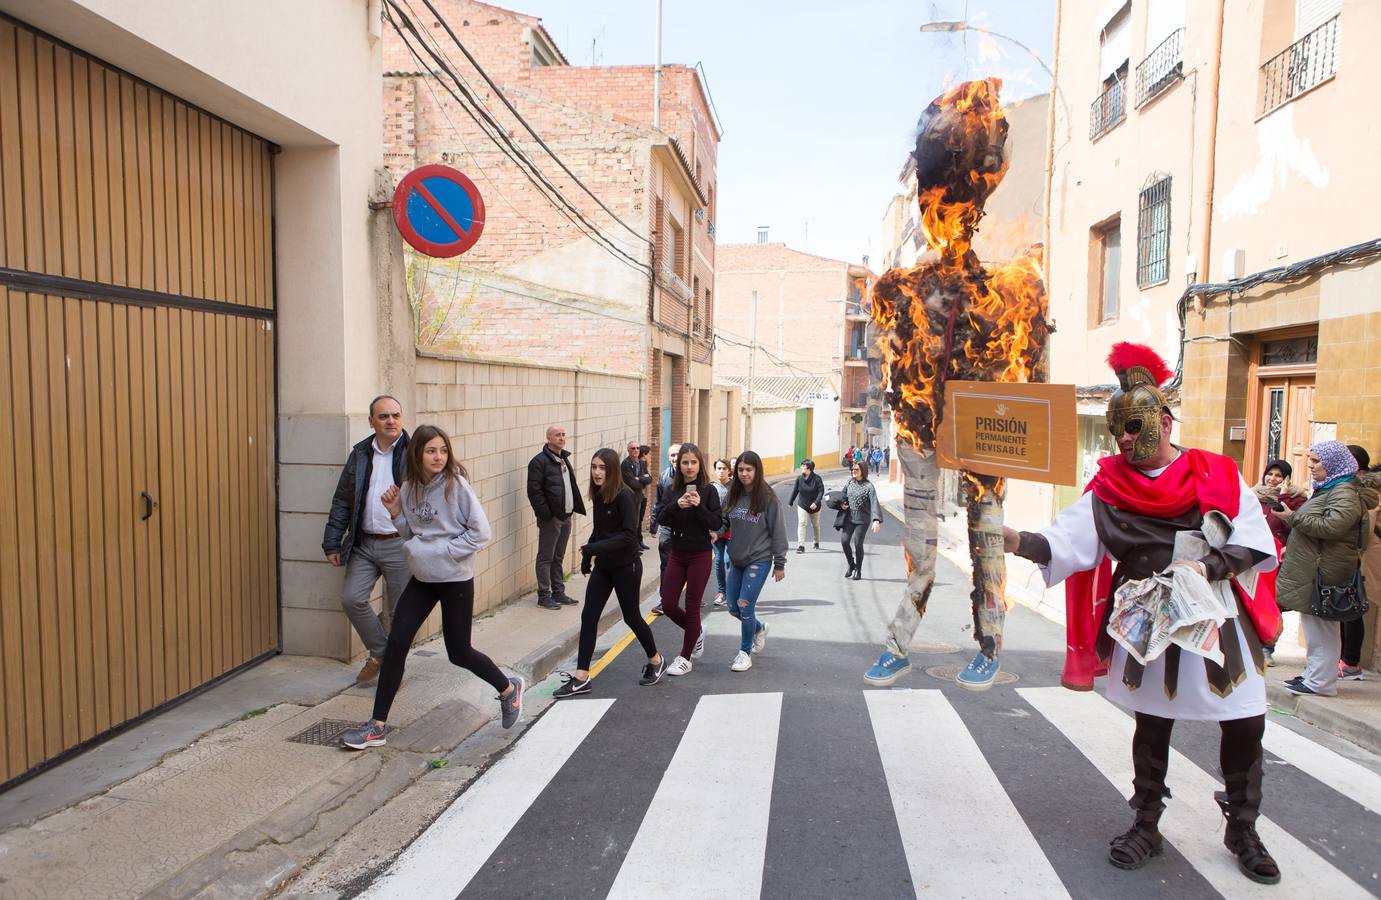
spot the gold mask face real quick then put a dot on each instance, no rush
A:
(1136, 409)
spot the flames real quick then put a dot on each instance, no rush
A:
(951, 317)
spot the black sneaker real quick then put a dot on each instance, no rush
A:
(571, 687)
(548, 603)
(511, 707)
(566, 600)
(653, 674)
(801, 548)
(817, 545)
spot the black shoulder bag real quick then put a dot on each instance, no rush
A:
(1342, 602)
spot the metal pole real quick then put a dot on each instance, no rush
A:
(657, 74)
(752, 363)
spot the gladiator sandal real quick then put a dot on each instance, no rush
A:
(1242, 841)
(1134, 847)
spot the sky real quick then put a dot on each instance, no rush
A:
(818, 100)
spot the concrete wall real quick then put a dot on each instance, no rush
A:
(824, 431)
(497, 416)
(774, 439)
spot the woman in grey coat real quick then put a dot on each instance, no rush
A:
(861, 506)
(1327, 536)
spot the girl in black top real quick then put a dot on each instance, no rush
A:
(612, 561)
(692, 514)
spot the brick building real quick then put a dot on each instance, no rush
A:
(596, 315)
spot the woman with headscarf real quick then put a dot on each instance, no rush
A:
(1327, 536)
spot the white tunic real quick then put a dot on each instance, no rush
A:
(1075, 547)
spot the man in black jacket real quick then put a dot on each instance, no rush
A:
(637, 477)
(808, 494)
(360, 533)
(554, 494)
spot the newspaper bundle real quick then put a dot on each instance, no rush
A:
(1177, 606)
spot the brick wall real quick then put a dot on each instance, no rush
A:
(497, 416)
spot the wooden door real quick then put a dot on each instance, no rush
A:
(1284, 423)
(137, 503)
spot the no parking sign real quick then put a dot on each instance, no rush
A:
(438, 211)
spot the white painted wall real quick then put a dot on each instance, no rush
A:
(824, 431)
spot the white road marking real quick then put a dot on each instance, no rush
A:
(706, 830)
(1191, 821)
(956, 820)
(442, 861)
(1349, 778)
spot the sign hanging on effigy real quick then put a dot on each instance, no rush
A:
(1013, 430)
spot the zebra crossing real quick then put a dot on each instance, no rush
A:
(707, 820)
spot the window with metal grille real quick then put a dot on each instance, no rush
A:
(1153, 232)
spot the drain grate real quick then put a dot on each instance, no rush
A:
(324, 733)
(949, 673)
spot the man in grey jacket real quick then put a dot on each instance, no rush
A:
(360, 533)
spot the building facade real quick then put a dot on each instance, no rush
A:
(190, 316)
(1215, 207)
(806, 315)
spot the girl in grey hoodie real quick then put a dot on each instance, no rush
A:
(757, 546)
(443, 526)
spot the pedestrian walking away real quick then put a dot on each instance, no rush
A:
(1328, 536)
(723, 471)
(555, 496)
(1137, 504)
(612, 561)
(691, 513)
(443, 526)
(359, 532)
(757, 547)
(807, 495)
(875, 459)
(635, 476)
(663, 492)
(860, 508)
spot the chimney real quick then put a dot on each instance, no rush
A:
(762, 234)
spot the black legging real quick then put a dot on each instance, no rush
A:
(457, 599)
(624, 582)
(1239, 756)
(854, 534)
(1353, 634)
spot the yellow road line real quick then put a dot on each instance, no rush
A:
(612, 653)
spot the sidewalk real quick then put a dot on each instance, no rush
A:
(215, 795)
(1354, 715)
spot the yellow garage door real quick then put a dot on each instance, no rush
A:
(137, 503)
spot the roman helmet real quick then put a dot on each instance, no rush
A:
(1136, 406)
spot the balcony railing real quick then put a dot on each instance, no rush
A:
(1109, 109)
(856, 308)
(1309, 61)
(1161, 68)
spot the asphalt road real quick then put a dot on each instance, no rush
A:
(796, 780)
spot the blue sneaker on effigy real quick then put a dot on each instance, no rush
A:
(887, 669)
(978, 675)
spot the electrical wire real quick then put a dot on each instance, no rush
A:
(517, 115)
(496, 134)
(1286, 274)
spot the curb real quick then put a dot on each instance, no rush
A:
(541, 662)
(1320, 714)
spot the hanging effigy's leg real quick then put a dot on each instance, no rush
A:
(986, 494)
(921, 495)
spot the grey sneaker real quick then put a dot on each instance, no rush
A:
(512, 705)
(370, 734)
(760, 637)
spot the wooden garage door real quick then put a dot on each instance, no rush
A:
(137, 538)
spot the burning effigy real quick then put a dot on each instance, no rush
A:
(952, 317)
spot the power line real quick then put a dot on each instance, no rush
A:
(517, 115)
(472, 107)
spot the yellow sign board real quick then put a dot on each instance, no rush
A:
(1023, 431)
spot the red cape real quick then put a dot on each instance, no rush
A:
(1196, 478)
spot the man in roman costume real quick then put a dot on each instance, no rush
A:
(1123, 529)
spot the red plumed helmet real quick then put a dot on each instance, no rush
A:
(1126, 355)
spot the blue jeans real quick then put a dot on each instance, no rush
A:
(742, 597)
(720, 548)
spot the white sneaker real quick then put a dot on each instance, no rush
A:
(679, 666)
(699, 650)
(760, 637)
(742, 663)
(719, 599)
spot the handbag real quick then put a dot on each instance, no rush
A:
(1340, 602)
(835, 499)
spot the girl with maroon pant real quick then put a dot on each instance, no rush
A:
(692, 514)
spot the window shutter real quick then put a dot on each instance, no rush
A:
(1116, 46)
(1163, 18)
(1310, 14)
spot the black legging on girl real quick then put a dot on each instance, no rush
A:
(853, 543)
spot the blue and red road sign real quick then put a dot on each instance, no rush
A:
(438, 211)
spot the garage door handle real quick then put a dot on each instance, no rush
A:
(148, 506)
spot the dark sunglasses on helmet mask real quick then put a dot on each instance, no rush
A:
(1131, 426)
